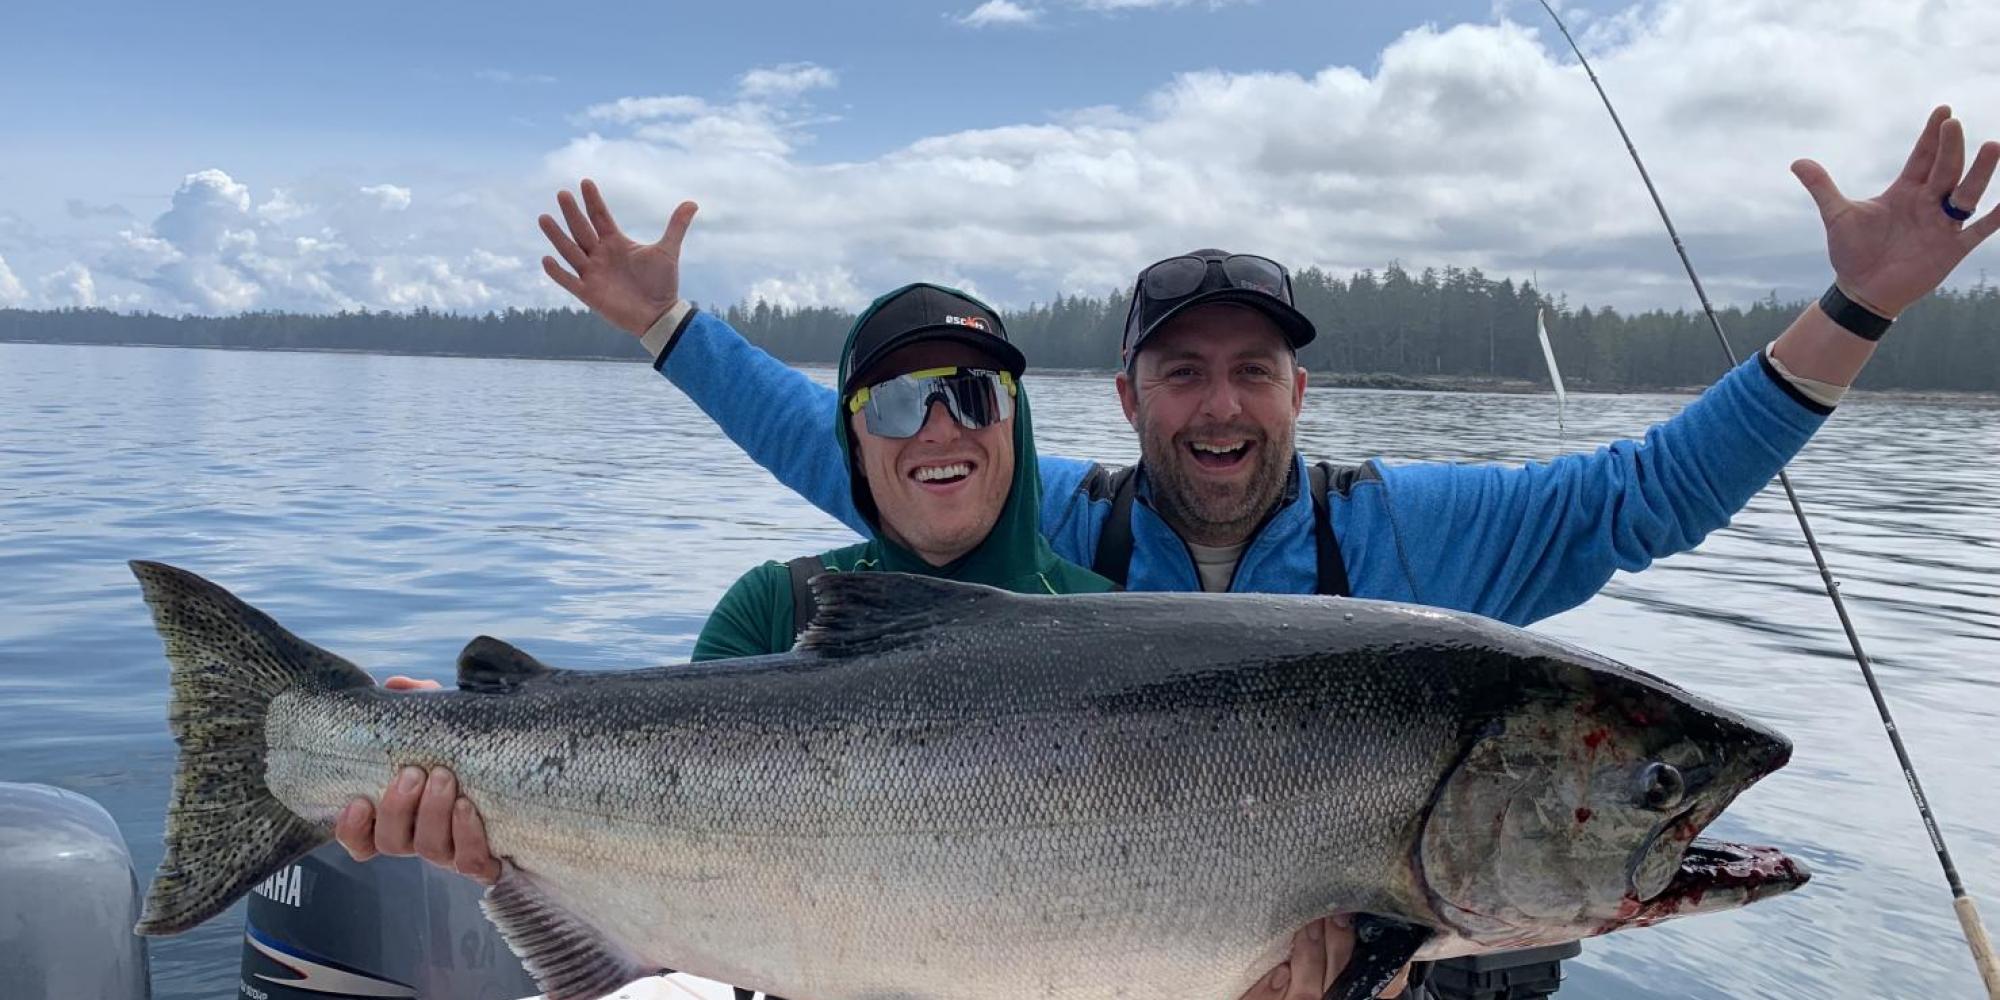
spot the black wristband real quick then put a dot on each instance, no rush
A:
(1854, 317)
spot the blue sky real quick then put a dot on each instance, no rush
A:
(94, 92)
(230, 155)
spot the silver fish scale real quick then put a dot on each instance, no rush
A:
(1011, 807)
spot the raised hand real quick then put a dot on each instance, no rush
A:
(630, 284)
(1898, 246)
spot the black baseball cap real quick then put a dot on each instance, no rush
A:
(1167, 288)
(925, 312)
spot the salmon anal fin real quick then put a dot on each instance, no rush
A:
(569, 958)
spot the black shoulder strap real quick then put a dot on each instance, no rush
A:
(803, 569)
(1114, 542)
(1332, 575)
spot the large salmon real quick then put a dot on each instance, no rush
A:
(948, 792)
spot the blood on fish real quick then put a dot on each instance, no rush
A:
(1583, 814)
(1596, 737)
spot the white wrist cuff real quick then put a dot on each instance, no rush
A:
(1824, 393)
(662, 331)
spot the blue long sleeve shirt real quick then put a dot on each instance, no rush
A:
(1513, 543)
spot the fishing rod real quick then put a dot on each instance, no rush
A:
(1968, 915)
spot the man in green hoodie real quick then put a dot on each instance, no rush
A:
(934, 426)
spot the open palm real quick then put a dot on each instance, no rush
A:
(1896, 247)
(630, 284)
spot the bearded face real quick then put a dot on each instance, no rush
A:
(1215, 398)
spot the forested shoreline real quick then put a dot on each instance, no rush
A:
(1378, 327)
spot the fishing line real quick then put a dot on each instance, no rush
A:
(1968, 915)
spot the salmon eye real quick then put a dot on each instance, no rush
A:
(1658, 787)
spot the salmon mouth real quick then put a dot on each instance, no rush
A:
(1713, 876)
(1712, 866)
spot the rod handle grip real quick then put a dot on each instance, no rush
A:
(1982, 948)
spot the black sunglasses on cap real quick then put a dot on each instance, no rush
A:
(1169, 287)
(1179, 276)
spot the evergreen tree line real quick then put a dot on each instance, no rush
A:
(1446, 323)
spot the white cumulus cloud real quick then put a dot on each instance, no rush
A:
(323, 245)
(994, 13)
(627, 110)
(829, 287)
(766, 121)
(741, 130)
(140, 252)
(71, 286)
(389, 196)
(280, 207)
(431, 280)
(208, 204)
(11, 292)
(487, 264)
(788, 80)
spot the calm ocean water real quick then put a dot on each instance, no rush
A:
(390, 508)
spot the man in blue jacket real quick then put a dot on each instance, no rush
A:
(1220, 500)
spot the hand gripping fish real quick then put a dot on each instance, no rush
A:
(949, 792)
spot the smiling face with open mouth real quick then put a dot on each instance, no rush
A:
(1215, 396)
(940, 492)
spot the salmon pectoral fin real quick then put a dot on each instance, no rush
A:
(1382, 947)
(569, 958)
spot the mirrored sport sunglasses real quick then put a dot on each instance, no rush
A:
(1179, 277)
(897, 408)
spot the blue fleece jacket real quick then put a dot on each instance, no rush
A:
(1517, 544)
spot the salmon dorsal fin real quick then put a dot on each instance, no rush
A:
(489, 666)
(861, 613)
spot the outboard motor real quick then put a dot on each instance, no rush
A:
(68, 900)
(329, 928)
(1514, 975)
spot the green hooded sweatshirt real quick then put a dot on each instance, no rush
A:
(755, 617)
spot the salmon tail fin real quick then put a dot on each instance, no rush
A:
(225, 831)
